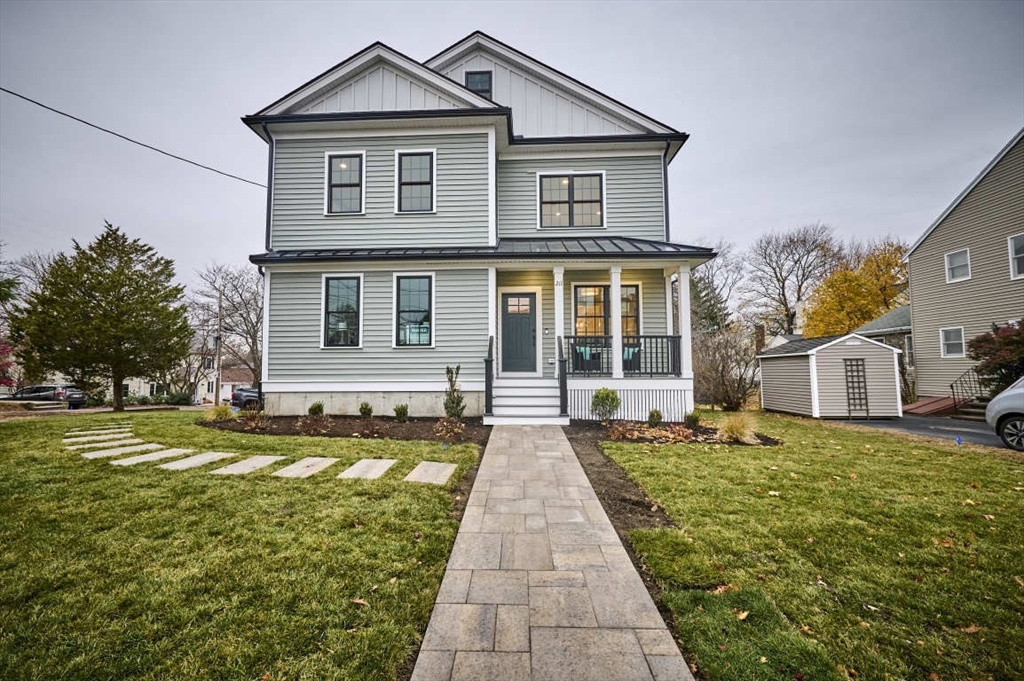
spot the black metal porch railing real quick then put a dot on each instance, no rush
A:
(489, 378)
(641, 355)
(966, 388)
(563, 385)
(589, 355)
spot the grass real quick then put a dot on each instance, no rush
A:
(135, 572)
(840, 555)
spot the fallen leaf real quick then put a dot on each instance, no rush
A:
(763, 660)
(988, 517)
(973, 629)
(742, 615)
(810, 540)
(359, 601)
(934, 677)
(723, 648)
(392, 580)
(773, 493)
(721, 589)
(864, 624)
(975, 485)
(871, 608)
(968, 502)
(853, 476)
(773, 468)
(1020, 582)
(805, 630)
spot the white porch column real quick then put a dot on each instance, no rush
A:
(492, 303)
(615, 293)
(669, 315)
(559, 274)
(685, 340)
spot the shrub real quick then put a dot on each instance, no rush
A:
(314, 424)
(449, 428)
(605, 403)
(144, 400)
(738, 427)
(182, 399)
(692, 419)
(1000, 356)
(222, 412)
(255, 420)
(317, 409)
(454, 402)
(724, 367)
(654, 418)
(401, 413)
(365, 410)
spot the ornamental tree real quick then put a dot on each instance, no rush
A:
(1000, 356)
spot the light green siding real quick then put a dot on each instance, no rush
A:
(786, 384)
(507, 281)
(461, 195)
(633, 192)
(880, 374)
(652, 296)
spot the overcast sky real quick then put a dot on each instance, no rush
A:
(870, 116)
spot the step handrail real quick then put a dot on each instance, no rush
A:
(966, 388)
(489, 378)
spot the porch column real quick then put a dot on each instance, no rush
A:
(670, 324)
(685, 340)
(492, 302)
(559, 274)
(615, 293)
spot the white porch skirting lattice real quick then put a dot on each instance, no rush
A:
(673, 398)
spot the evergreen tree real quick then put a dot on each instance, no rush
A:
(104, 313)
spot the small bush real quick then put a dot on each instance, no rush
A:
(738, 427)
(692, 419)
(401, 413)
(255, 420)
(365, 410)
(144, 400)
(181, 399)
(605, 403)
(654, 418)
(221, 412)
(316, 409)
(449, 428)
(314, 424)
(454, 402)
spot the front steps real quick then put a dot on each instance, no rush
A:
(526, 401)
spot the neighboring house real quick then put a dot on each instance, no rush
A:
(967, 271)
(232, 378)
(893, 328)
(477, 205)
(782, 339)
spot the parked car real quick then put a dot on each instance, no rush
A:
(246, 398)
(1005, 413)
(50, 393)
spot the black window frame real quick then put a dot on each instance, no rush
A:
(357, 313)
(399, 311)
(342, 185)
(606, 312)
(572, 202)
(402, 183)
(490, 83)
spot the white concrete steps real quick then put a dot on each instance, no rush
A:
(522, 401)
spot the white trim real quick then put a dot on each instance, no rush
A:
(366, 386)
(394, 310)
(615, 295)
(323, 308)
(685, 330)
(1009, 248)
(942, 343)
(265, 368)
(899, 396)
(945, 259)
(815, 402)
(433, 181)
(911, 355)
(492, 190)
(631, 282)
(560, 173)
(492, 305)
(537, 333)
(635, 383)
(327, 182)
(760, 382)
(558, 286)
(669, 317)
(389, 132)
(521, 155)
(814, 351)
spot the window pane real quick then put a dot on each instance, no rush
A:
(958, 258)
(415, 167)
(586, 215)
(345, 169)
(587, 188)
(1017, 248)
(345, 200)
(554, 215)
(415, 197)
(479, 82)
(341, 319)
(554, 188)
(413, 311)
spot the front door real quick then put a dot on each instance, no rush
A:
(519, 332)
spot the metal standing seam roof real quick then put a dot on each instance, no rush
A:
(525, 248)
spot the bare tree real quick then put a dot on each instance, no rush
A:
(782, 271)
(196, 367)
(724, 367)
(240, 293)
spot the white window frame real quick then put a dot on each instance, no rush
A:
(433, 181)
(1009, 248)
(327, 183)
(394, 310)
(946, 259)
(639, 303)
(562, 173)
(909, 356)
(942, 342)
(323, 309)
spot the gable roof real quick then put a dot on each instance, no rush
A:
(811, 346)
(974, 183)
(378, 51)
(481, 39)
(890, 322)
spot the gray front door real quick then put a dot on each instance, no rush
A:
(518, 331)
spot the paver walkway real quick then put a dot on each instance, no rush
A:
(538, 585)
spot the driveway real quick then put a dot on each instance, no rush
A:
(942, 427)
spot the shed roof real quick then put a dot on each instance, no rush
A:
(891, 322)
(810, 346)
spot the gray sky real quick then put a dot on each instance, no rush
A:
(870, 116)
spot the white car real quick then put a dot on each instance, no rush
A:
(1005, 413)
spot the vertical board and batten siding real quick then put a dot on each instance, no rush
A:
(539, 108)
(880, 373)
(786, 384)
(294, 352)
(983, 221)
(378, 88)
(545, 280)
(634, 196)
(461, 197)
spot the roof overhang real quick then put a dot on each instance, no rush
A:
(815, 350)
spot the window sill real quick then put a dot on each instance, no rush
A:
(416, 212)
(957, 281)
(411, 347)
(572, 229)
(341, 347)
(344, 215)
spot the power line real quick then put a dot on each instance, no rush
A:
(129, 139)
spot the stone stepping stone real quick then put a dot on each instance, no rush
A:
(196, 461)
(105, 426)
(107, 443)
(368, 469)
(431, 472)
(253, 463)
(305, 467)
(152, 456)
(121, 450)
(93, 438)
(105, 431)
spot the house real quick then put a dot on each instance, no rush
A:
(479, 209)
(967, 274)
(893, 328)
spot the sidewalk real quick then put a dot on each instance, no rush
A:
(538, 586)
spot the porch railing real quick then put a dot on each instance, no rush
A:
(641, 355)
(489, 378)
(966, 388)
(563, 384)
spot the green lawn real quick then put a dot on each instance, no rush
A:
(135, 572)
(853, 554)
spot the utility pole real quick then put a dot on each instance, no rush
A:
(216, 346)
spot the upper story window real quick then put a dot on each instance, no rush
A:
(345, 186)
(1016, 256)
(479, 82)
(415, 181)
(414, 310)
(952, 340)
(342, 311)
(571, 200)
(958, 266)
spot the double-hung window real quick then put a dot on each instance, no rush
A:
(415, 181)
(414, 310)
(593, 311)
(1016, 243)
(958, 266)
(345, 186)
(952, 341)
(571, 200)
(342, 311)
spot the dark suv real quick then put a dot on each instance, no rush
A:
(50, 393)
(246, 398)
